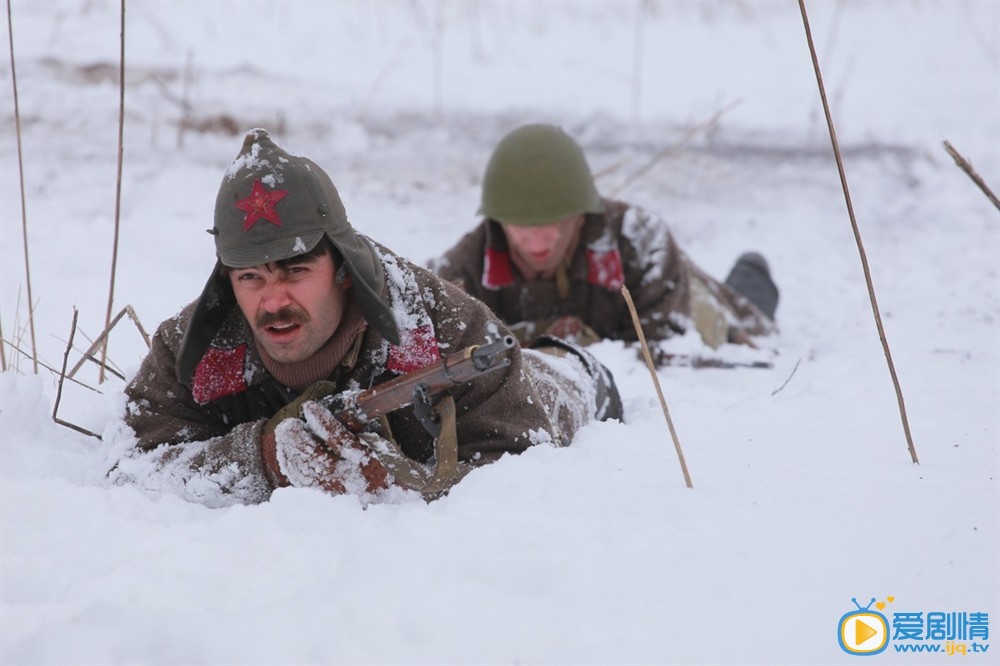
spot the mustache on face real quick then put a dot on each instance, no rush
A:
(289, 315)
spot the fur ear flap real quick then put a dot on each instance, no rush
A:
(214, 305)
(343, 276)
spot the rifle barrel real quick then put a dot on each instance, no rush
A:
(483, 355)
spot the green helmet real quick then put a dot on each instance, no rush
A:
(273, 206)
(538, 175)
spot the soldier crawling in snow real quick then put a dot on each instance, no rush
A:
(552, 255)
(299, 306)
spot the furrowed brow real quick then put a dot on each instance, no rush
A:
(296, 261)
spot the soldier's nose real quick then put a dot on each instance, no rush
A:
(274, 298)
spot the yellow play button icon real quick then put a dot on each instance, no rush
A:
(862, 632)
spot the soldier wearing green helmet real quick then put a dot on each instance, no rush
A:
(300, 307)
(538, 174)
(551, 255)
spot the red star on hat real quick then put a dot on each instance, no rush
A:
(260, 204)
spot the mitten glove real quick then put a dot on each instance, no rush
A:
(304, 444)
(292, 410)
(574, 330)
(318, 451)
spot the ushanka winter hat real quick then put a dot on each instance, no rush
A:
(273, 206)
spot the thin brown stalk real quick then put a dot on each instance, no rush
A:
(3, 352)
(109, 367)
(62, 373)
(102, 338)
(185, 101)
(45, 366)
(637, 51)
(62, 378)
(966, 166)
(19, 332)
(611, 168)
(792, 374)
(73, 426)
(656, 383)
(857, 236)
(24, 209)
(437, 38)
(118, 187)
(706, 126)
(138, 324)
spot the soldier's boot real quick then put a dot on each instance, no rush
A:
(751, 277)
(608, 402)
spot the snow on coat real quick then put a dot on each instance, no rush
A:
(624, 245)
(202, 442)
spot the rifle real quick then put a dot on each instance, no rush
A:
(527, 331)
(417, 388)
(664, 360)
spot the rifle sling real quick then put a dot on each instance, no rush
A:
(445, 450)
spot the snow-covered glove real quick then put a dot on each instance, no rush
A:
(738, 336)
(316, 450)
(304, 444)
(574, 330)
(292, 410)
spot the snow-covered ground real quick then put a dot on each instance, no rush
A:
(804, 494)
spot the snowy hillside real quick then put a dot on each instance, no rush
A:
(804, 494)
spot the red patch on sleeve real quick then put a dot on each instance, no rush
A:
(220, 373)
(605, 269)
(497, 272)
(419, 349)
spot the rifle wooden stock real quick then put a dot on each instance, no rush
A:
(357, 409)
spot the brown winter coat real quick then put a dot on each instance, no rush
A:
(203, 441)
(623, 245)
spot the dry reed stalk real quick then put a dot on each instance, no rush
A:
(19, 332)
(102, 338)
(62, 378)
(109, 367)
(777, 390)
(437, 59)
(45, 366)
(3, 353)
(24, 209)
(118, 187)
(185, 101)
(637, 51)
(857, 235)
(706, 126)
(656, 383)
(966, 166)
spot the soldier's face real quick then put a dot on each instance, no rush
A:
(293, 309)
(545, 246)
